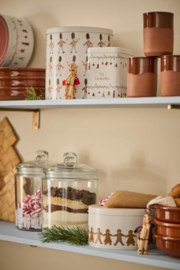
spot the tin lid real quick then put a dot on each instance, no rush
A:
(101, 210)
(110, 50)
(140, 65)
(4, 33)
(170, 62)
(79, 29)
(69, 168)
(41, 161)
(158, 19)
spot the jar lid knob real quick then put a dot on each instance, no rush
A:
(42, 157)
(70, 159)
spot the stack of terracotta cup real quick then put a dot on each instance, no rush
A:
(167, 236)
(158, 37)
(15, 80)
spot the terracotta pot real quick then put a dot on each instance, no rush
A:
(14, 80)
(168, 229)
(17, 93)
(170, 75)
(21, 72)
(20, 82)
(142, 77)
(167, 213)
(170, 245)
(158, 33)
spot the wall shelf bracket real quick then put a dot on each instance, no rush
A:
(36, 115)
(173, 107)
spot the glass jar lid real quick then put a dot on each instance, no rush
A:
(41, 161)
(70, 167)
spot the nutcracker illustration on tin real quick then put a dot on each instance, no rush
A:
(88, 43)
(85, 64)
(61, 44)
(49, 90)
(101, 43)
(58, 89)
(109, 41)
(51, 45)
(59, 67)
(50, 66)
(85, 89)
(73, 43)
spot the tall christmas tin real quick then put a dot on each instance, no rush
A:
(69, 45)
(107, 72)
(114, 228)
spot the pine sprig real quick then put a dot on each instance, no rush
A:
(32, 95)
(75, 236)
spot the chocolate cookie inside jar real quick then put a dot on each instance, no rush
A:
(158, 33)
(142, 77)
(68, 190)
(170, 75)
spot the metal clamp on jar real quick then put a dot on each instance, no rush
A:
(68, 189)
(28, 192)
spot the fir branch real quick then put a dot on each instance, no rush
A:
(32, 95)
(75, 236)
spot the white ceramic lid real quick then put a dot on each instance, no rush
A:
(79, 29)
(110, 50)
(101, 210)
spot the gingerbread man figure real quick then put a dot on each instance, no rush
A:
(130, 240)
(98, 233)
(91, 238)
(119, 238)
(107, 239)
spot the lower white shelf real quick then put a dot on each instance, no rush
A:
(8, 232)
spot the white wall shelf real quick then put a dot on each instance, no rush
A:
(9, 233)
(117, 102)
(36, 105)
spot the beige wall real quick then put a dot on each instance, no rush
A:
(134, 149)
(22, 257)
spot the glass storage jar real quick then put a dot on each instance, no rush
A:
(68, 189)
(28, 192)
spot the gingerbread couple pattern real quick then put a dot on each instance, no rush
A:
(96, 237)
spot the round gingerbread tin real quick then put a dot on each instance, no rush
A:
(113, 228)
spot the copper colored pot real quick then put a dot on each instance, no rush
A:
(14, 80)
(158, 33)
(167, 229)
(17, 93)
(167, 213)
(142, 77)
(21, 72)
(170, 75)
(170, 245)
(20, 82)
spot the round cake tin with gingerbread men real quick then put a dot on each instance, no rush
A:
(115, 228)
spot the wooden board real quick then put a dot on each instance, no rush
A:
(8, 160)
